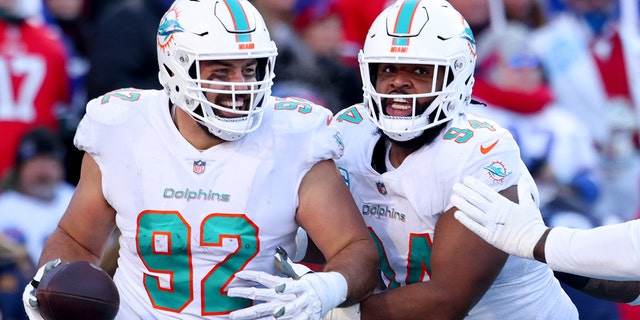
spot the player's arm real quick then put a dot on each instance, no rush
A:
(81, 233)
(86, 225)
(328, 213)
(584, 252)
(463, 267)
(515, 228)
(332, 220)
(616, 291)
(518, 229)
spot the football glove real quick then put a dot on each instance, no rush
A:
(29, 299)
(514, 228)
(302, 295)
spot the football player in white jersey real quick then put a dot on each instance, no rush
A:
(206, 178)
(405, 147)
(607, 252)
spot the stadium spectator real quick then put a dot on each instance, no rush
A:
(35, 195)
(592, 59)
(15, 269)
(33, 73)
(510, 80)
(131, 24)
(70, 18)
(311, 56)
(33, 198)
(356, 19)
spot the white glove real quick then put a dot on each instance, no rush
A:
(29, 299)
(307, 296)
(511, 227)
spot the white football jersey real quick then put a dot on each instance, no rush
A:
(553, 134)
(192, 218)
(402, 206)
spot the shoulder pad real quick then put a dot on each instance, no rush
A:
(297, 114)
(354, 114)
(115, 106)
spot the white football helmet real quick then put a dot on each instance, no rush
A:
(191, 31)
(427, 32)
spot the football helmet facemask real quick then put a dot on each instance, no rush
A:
(193, 31)
(429, 32)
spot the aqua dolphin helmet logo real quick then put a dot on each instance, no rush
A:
(467, 34)
(168, 27)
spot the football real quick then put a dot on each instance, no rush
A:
(77, 290)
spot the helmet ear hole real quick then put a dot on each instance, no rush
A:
(168, 70)
(198, 111)
(466, 82)
(261, 69)
(192, 72)
(450, 77)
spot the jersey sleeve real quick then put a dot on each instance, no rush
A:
(493, 157)
(326, 141)
(608, 252)
(101, 113)
(84, 138)
(484, 150)
(501, 165)
(309, 124)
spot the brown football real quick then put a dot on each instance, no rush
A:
(77, 290)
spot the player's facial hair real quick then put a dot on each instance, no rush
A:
(424, 139)
(427, 136)
(202, 127)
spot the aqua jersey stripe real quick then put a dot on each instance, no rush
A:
(240, 20)
(403, 23)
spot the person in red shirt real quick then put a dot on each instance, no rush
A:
(33, 77)
(356, 20)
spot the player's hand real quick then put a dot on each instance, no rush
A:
(511, 227)
(306, 295)
(29, 299)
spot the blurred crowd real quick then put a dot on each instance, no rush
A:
(562, 75)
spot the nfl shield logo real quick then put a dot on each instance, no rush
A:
(381, 188)
(198, 166)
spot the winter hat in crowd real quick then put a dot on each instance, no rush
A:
(38, 142)
(308, 12)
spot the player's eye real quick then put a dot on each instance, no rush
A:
(424, 70)
(249, 72)
(387, 68)
(218, 74)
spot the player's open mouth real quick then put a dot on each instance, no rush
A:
(398, 107)
(238, 104)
